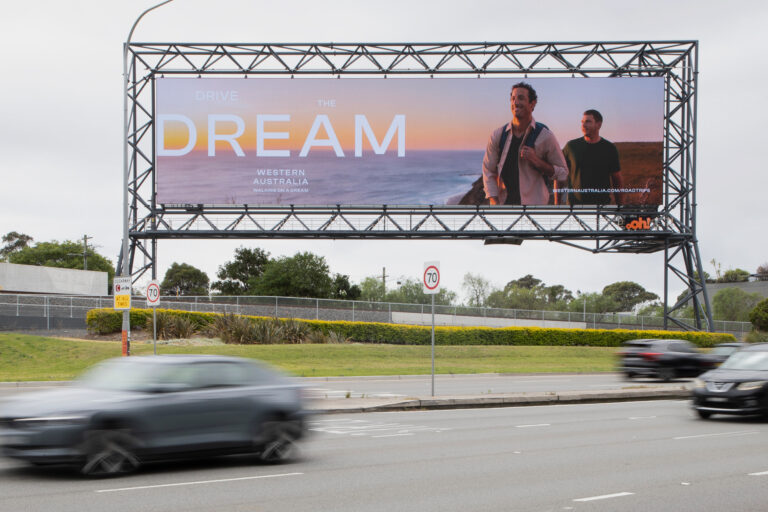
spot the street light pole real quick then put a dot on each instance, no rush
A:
(125, 270)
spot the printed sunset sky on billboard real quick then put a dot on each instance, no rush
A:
(375, 141)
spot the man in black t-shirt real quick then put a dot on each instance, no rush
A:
(593, 165)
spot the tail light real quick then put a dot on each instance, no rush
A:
(650, 356)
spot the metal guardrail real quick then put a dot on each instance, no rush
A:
(58, 306)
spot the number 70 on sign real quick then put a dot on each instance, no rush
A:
(431, 277)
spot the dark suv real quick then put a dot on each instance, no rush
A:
(663, 359)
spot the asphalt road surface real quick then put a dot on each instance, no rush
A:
(452, 385)
(629, 456)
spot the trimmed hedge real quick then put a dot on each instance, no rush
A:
(106, 321)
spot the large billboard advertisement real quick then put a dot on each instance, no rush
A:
(409, 141)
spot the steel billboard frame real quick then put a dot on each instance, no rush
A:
(598, 229)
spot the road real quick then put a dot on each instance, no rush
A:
(628, 456)
(480, 384)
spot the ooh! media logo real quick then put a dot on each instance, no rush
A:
(638, 224)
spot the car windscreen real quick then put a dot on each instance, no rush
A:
(723, 351)
(122, 375)
(746, 360)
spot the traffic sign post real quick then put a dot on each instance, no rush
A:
(153, 300)
(431, 281)
(121, 290)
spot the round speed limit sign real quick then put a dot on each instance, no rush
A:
(431, 277)
(153, 294)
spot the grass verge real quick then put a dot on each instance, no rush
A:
(32, 358)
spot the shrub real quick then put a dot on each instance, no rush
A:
(294, 331)
(316, 336)
(271, 330)
(335, 337)
(759, 315)
(268, 331)
(756, 337)
(235, 329)
(107, 320)
(170, 326)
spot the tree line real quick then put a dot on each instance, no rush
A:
(253, 271)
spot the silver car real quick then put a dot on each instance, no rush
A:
(131, 410)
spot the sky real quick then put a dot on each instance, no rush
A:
(61, 122)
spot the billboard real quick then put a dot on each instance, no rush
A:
(404, 141)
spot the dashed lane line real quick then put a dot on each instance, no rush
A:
(719, 434)
(200, 482)
(605, 496)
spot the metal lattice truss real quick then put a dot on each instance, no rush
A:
(597, 229)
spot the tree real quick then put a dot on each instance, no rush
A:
(529, 292)
(527, 281)
(14, 242)
(477, 288)
(516, 297)
(239, 276)
(557, 295)
(66, 254)
(759, 316)
(372, 290)
(341, 288)
(627, 295)
(595, 303)
(736, 275)
(184, 279)
(734, 304)
(411, 291)
(301, 275)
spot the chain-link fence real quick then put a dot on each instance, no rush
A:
(50, 309)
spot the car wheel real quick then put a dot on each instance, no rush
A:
(109, 453)
(629, 376)
(665, 374)
(703, 414)
(280, 442)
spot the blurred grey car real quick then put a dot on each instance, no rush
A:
(128, 411)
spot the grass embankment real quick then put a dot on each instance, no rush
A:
(30, 358)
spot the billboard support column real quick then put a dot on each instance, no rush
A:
(126, 268)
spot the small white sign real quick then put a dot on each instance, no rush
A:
(122, 292)
(431, 277)
(153, 294)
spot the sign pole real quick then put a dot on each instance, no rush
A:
(154, 331)
(433, 344)
(153, 300)
(431, 285)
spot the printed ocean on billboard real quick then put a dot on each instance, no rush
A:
(376, 141)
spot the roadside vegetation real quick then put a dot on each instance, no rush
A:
(33, 358)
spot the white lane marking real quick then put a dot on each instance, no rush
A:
(367, 428)
(641, 417)
(761, 473)
(198, 482)
(394, 435)
(534, 425)
(605, 496)
(736, 433)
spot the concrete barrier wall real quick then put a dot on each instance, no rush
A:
(50, 280)
(479, 321)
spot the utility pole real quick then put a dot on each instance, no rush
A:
(384, 278)
(85, 251)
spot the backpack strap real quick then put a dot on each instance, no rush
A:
(529, 141)
(503, 140)
(533, 135)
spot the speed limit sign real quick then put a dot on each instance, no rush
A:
(431, 277)
(153, 294)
